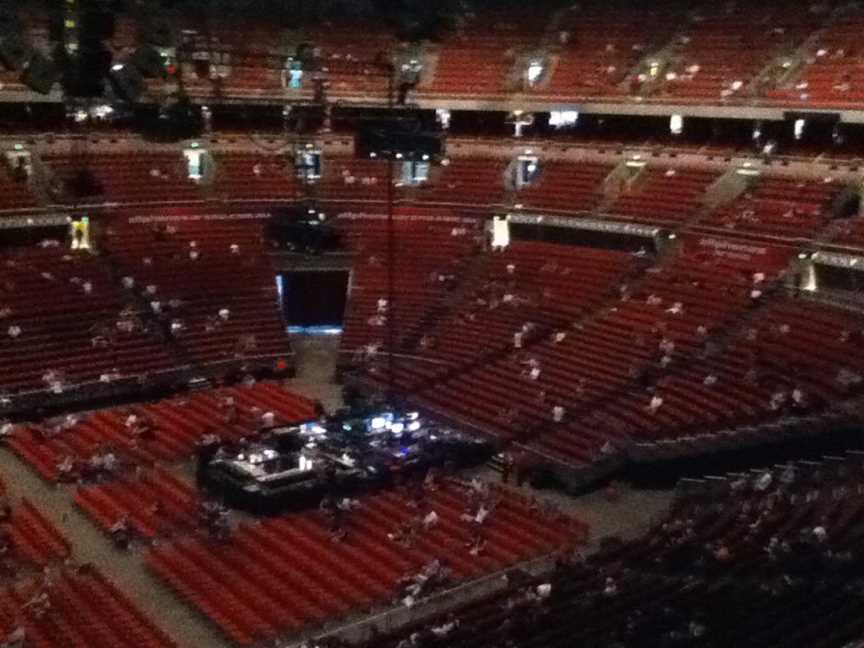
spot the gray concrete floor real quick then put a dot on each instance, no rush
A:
(185, 625)
(627, 516)
(316, 358)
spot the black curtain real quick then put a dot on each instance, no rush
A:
(314, 298)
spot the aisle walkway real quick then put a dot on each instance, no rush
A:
(316, 357)
(126, 569)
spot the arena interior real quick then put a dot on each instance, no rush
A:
(431, 324)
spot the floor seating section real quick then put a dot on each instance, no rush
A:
(430, 258)
(779, 206)
(127, 178)
(530, 288)
(198, 268)
(78, 302)
(565, 186)
(85, 610)
(179, 424)
(287, 573)
(666, 196)
(740, 562)
(35, 542)
(156, 503)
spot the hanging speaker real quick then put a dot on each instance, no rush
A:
(13, 52)
(40, 74)
(148, 61)
(399, 139)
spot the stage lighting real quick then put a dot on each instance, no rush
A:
(798, 128)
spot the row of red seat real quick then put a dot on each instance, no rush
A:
(199, 269)
(764, 558)
(831, 70)
(776, 205)
(202, 292)
(78, 301)
(779, 206)
(703, 52)
(178, 424)
(84, 610)
(287, 573)
(587, 362)
(719, 52)
(127, 178)
(36, 543)
(666, 196)
(527, 290)
(155, 503)
(429, 257)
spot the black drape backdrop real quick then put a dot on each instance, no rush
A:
(314, 298)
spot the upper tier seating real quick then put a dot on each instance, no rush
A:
(565, 186)
(779, 206)
(247, 62)
(832, 73)
(255, 177)
(429, 258)
(596, 50)
(288, 572)
(126, 178)
(179, 425)
(694, 52)
(348, 56)
(479, 60)
(69, 335)
(725, 48)
(774, 560)
(84, 609)
(199, 269)
(472, 181)
(664, 196)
